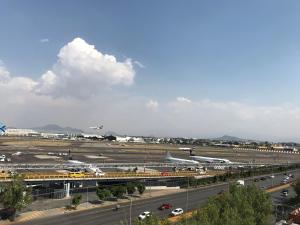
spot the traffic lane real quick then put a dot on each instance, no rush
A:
(111, 217)
(279, 198)
(269, 182)
(190, 200)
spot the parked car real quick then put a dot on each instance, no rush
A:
(165, 206)
(177, 212)
(144, 215)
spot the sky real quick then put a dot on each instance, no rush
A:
(166, 68)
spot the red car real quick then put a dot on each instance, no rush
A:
(165, 206)
(164, 173)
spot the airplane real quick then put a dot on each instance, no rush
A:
(17, 153)
(210, 159)
(179, 160)
(75, 162)
(2, 128)
(97, 171)
(185, 149)
(97, 127)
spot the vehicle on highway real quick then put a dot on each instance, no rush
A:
(76, 174)
(165, 173)
(240, 183)
(285, 192)
(256, 180)
(144, 215)
(272, 176)
(284, 181)
(263, 178)
(117, 207)
(165, 206)
(177, 212)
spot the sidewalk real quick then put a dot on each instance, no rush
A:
(26, 216)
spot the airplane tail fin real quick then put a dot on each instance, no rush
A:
(168, 155)
(191, 152)
(2, 128)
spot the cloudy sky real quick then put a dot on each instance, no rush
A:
(167, 68)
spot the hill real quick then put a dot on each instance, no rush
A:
(229, 138)
(53, 128)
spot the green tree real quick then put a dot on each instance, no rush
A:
(15, 195)
(118, 191)
(103, 193)
(241, 206)
(141, 188)
(152, 220)
(297, 188)
(130, 188)
(76, 201)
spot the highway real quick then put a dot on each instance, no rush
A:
(187, 200)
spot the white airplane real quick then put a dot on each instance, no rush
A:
(97, 171)
(75, 162)
(185, 149)
(210, 159)
(17, 153)
(97, 127)
(179, 160)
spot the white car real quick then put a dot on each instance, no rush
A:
(177, 212)
(144, 215)
(272, 176)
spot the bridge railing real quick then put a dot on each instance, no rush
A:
(33, 176)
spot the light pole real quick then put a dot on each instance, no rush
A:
(130, 209)
(87, 196)
(187, 198)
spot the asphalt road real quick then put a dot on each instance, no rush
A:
(187, 200)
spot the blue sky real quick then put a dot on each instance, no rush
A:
(246, 52)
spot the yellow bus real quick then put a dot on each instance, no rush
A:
(76, 174)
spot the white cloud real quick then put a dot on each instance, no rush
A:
(183, 99)
(44, 40)
(152, 104)
(4, 74)
(81, 71)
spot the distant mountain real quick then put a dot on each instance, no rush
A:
(229, 138)
(53, 128)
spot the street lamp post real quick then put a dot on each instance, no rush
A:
(187, 198)
(87, 196)
(130, 209)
